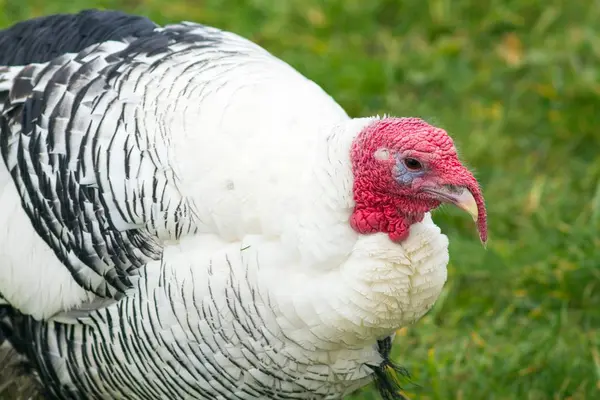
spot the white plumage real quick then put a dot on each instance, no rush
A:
(226, 177)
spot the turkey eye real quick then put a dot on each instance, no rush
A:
(412, 164)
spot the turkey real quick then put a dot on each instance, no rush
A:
(185, 216)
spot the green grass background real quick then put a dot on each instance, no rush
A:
(517, 84)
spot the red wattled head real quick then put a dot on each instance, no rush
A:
(403, 168)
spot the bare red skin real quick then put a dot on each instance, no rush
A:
(385, 205)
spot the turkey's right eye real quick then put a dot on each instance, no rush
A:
(412, 164)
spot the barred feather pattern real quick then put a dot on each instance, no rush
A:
(77, 111)
(164, 342)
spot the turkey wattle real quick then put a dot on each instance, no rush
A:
(186, 216)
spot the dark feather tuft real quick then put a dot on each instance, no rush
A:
(389, 377)
(41, 39)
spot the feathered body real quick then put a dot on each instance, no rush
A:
(175, 205)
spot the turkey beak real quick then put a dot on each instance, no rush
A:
(457, 195)
(464, 198)
(466, 202)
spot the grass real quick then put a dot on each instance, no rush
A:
(517, 84)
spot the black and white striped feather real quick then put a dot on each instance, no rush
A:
(68, 126)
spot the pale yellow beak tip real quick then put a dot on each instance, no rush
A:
(466, 202)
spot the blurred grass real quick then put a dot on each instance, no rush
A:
(517, 84)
